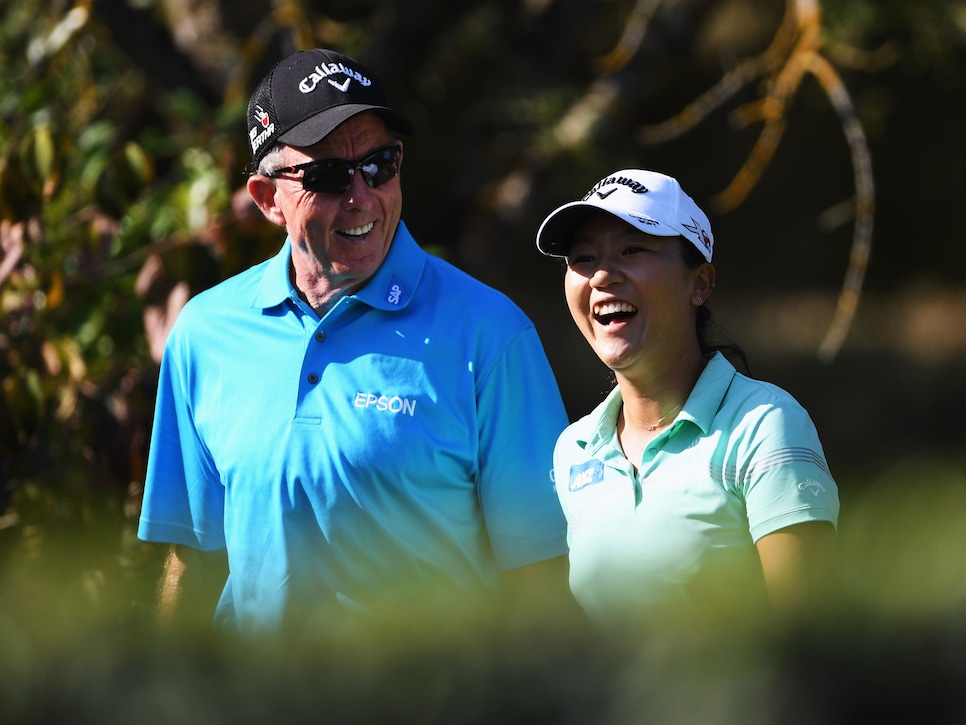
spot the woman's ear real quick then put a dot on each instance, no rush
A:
(262, 190)
(703, 283)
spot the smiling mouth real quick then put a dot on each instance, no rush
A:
(357, 232)
(608, 312)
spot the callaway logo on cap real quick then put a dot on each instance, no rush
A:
(307, 95)
(652, 202)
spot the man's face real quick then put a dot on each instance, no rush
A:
(338, 240)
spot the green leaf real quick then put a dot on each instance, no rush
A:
(36, 156)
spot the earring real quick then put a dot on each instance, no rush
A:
(699, 298)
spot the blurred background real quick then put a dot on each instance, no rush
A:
(826, 144)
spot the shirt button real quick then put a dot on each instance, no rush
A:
(320, 336)
(313, 378)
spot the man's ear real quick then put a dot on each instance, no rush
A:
(262, 190)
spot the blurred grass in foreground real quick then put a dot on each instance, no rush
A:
(76, 645)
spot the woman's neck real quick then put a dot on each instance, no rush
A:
(651, 401)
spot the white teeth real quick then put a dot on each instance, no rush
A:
(612, 308)
(357, 231)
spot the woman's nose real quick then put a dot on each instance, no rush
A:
(605, 275)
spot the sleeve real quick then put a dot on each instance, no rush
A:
(786, 479)
(183, 496)
(520, 416)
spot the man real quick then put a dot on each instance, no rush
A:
(355, 423)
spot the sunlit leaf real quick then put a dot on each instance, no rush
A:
(36, 157)
(138, 162)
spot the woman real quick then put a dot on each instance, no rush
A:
(690, 484)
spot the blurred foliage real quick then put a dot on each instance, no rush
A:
(113, 192)
(122, 171)
(891, 649)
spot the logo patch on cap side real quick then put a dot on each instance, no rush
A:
(257, 137)
(695, 228)
(262, 116)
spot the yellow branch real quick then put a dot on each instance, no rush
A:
(796, 50)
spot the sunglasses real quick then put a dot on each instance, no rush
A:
(334, 176)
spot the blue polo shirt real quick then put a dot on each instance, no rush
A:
(741, 460)
(399, 445)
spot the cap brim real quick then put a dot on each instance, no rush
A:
(314, 129)
(556, 233)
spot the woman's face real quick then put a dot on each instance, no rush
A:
(631, 294)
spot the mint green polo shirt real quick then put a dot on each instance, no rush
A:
(741, 460)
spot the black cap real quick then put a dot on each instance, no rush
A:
(307, 95)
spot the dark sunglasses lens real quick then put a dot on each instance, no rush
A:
(380, 167)
(327, 177)
(335, 177)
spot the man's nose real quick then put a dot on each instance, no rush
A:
(359, 192)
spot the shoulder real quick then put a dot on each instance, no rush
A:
(224, 304)
(736, 391)
(753, 392)
(476, 297)
(237, 290)
(762, 415)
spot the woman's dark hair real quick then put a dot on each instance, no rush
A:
(711, 336)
